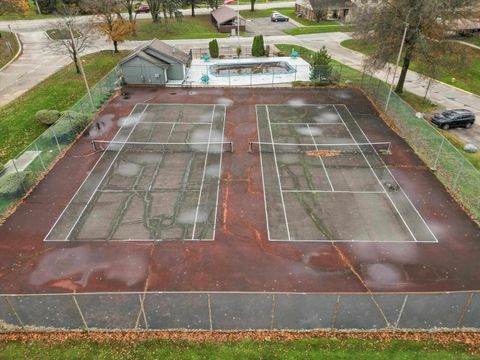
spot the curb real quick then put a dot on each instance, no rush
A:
(19, 52)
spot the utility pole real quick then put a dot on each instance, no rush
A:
(80, 65)
(38, 8)
(396, 66)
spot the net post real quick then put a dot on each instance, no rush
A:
(94, 146)
(250, 147)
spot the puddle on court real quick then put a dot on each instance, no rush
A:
(296, 102)
(310, 130)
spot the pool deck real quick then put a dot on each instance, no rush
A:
(200, 68)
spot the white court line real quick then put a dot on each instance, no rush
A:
(386, 167)
(263, 177)
(278, 173)
(371, 168)
(351, 241)
(129, 240)
(175, 122)
(103, 177)
(83, 182)
(333, 192)
(145, 190)
(303, 124)
(321, 160)
(203, 175)
(219, 173)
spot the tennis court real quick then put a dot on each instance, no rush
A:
(324, 180)
(157, 179)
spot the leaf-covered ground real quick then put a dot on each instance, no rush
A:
(243, 345)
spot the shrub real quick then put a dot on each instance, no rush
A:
(15, 185)
(69, 126)
(47, 117)
(213, 48)
(258, 48)
(321, 68)
(238, 50)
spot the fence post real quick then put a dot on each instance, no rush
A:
(80, 312)
(40, 156)
(434, 167)
(56, 140)
(335, 312)
(209, 301)
(251, 75)
(18, 174)
(296, 70)
(273, 77)
(15, 313)
(229, 78)
(458, 175)
(272, 316)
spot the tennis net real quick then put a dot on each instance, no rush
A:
(126, 146)
(321, 150)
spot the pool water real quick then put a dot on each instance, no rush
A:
(272, 67)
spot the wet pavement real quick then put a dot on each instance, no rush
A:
(240, 258)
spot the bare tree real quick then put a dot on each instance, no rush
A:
(155, 9)
(429, 24)
(66, 24)
(129, 5)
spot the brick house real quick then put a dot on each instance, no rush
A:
(331, 9)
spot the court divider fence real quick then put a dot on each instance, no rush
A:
(240, 311)
(24, 171)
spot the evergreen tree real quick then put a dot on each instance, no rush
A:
(320, 65)
(213, 48)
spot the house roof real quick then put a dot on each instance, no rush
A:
(147, 52)
(224, 14)
(332, 4)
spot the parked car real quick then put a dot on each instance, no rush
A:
(454, 118)
(143, 9)
(278, 17)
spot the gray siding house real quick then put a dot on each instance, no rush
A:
(155, 63)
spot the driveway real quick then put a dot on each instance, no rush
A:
(264, 26)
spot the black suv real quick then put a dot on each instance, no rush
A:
(454, 118)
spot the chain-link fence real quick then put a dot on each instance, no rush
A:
(455, 171)
(28, 167)
(240, 311)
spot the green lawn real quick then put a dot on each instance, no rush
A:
(465, 77)
(307, 348)
(318, 29)
(198, 27)
(62, 34)
(5, 53)
(475, 40)
(18, 128)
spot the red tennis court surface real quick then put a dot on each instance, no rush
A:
(241, 258)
